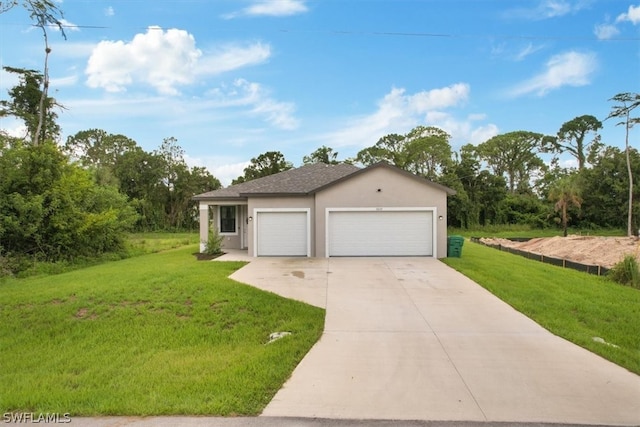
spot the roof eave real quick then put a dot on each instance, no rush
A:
(219, 198)
(265, 195)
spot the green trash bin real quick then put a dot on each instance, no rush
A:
(454, 246)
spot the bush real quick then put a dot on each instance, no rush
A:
(626, 272)
(214, 243)
(52, 210)
(5, 267)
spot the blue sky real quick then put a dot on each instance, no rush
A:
(231, 79)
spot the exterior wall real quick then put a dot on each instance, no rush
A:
(204, 225)
(282, 203)
(230, 240)
(376, 188)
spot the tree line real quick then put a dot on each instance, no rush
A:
(78, 198)
(504, 180)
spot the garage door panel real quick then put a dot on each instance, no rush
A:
(282, 233)
(380, 233)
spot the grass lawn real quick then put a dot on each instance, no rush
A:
(149, 335)
(574, 305)
(145, 243)
(136, 244)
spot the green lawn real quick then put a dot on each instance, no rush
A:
(574, 305)
(136, 244)
(149, 335)
(145, 243)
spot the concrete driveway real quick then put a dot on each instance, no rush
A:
(412, 339)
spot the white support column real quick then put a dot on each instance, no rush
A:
(204, 225)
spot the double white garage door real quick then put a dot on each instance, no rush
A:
(385, 232)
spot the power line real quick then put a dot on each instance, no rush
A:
(416, 34)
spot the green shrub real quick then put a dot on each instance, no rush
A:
(214, 242)
(5, 267)
(626, 272)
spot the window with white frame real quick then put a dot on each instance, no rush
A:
(228, 219)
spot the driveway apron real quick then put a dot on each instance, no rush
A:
(412, 339)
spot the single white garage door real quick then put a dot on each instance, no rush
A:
(380, 233)
(282, 233)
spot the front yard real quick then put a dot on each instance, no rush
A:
(579, 307)
(149, 335)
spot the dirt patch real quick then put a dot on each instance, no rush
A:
(592, 250)
(83, 313)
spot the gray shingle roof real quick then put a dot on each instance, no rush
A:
(304, 180)
(300, 181)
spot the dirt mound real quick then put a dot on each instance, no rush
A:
(593, 250)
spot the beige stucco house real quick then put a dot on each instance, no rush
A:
(321, 210)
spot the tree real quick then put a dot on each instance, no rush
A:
(26, 103)
(565, 192)
(265, 164)
(99, 151)
(424, 150)
(572, 135)
(605, 184)
(139, 175)
(323, 154)
(427, 151)
(627, 102)
(483, 191)
(515, 154)
(180, 184)
(43, 13)
(98, 148)
(389, 148)
(53, 210)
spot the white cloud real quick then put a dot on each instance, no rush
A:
(437, 98)
(399, 112)
(605, 31)
(258, 99)
(109, 11)
(69, 26)
(632, 15)
(566, 69)
(546, 9)
(163, 60)
(608, 31)
(241, 105)
(226, 169)
(529, 49)
(63, 81)
(271, 8)
(483, 133)
(552, 8)
(13, 127)
(462, 131)
(231, 57)
(8, 80)
(66, 26)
